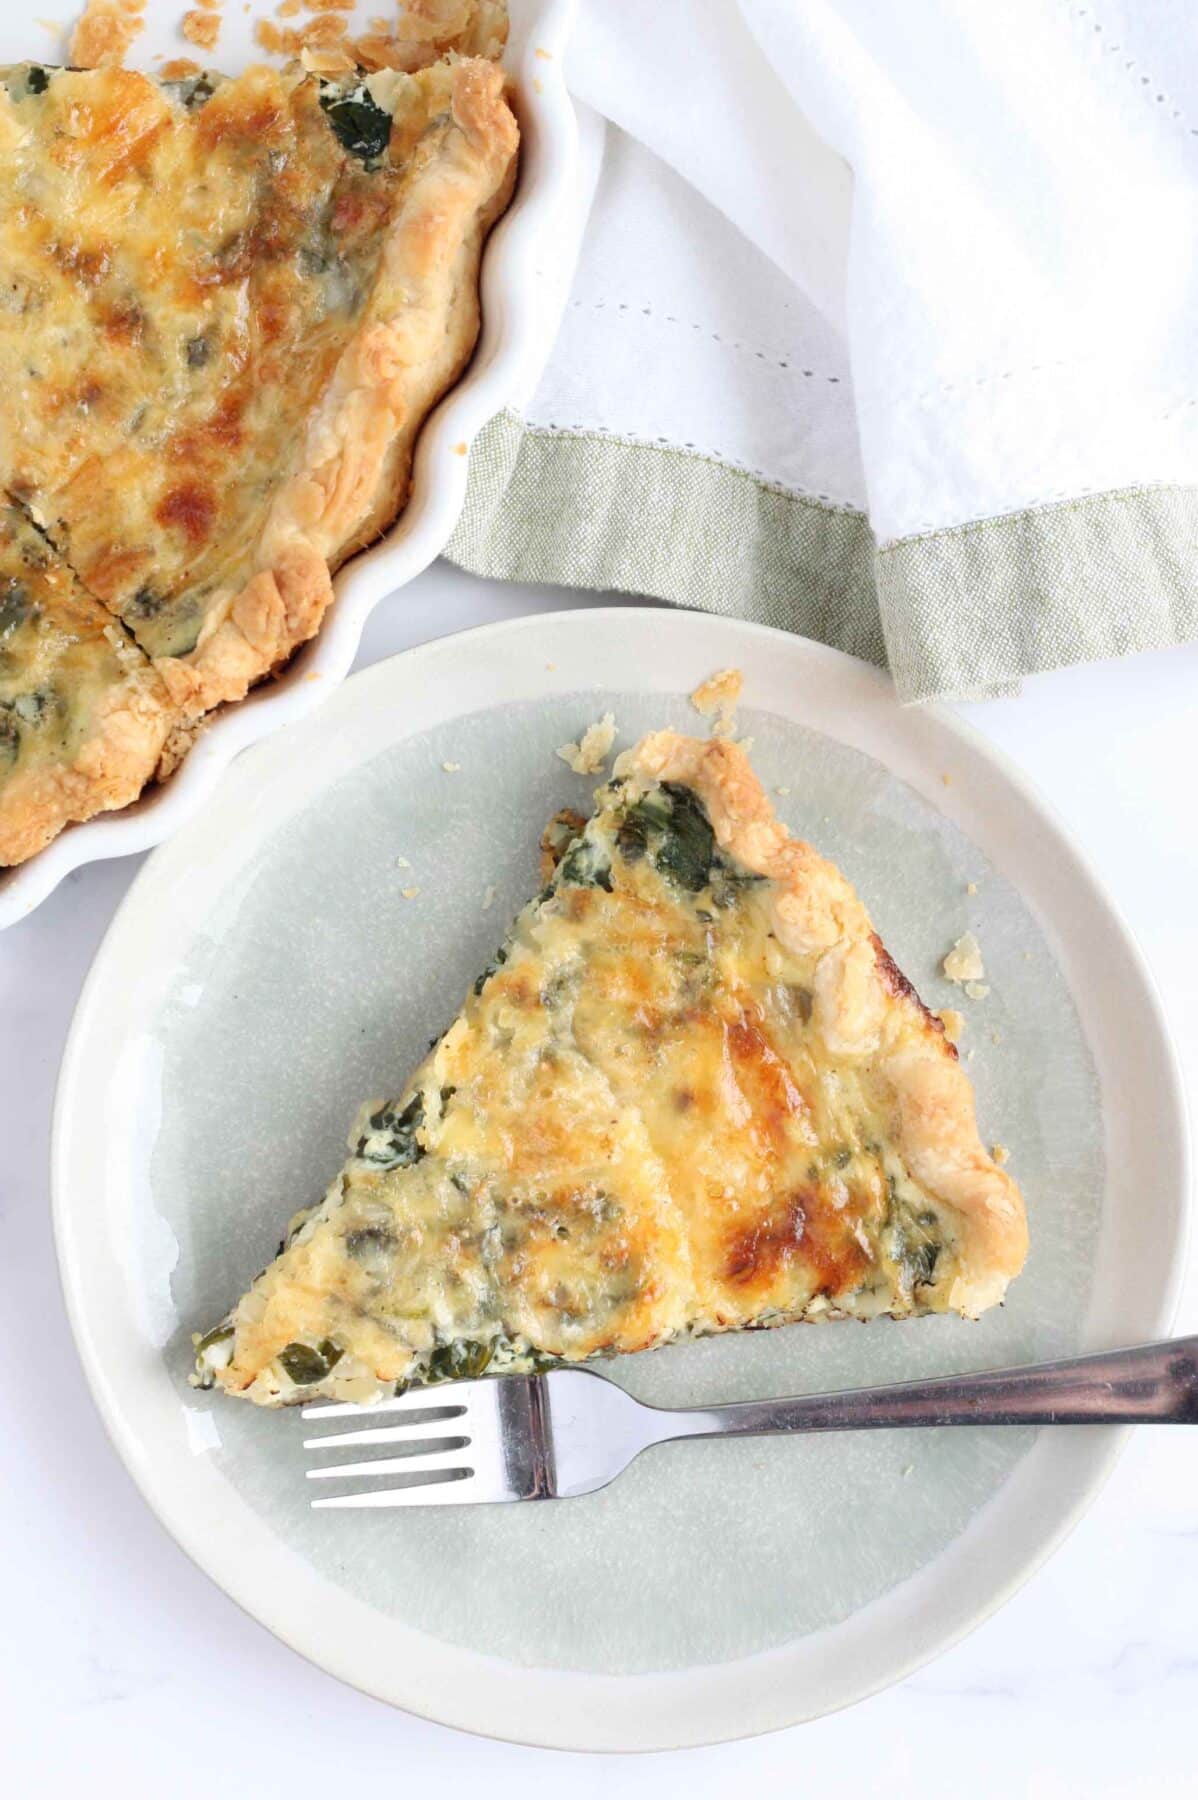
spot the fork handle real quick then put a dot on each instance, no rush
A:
(1155, 1384)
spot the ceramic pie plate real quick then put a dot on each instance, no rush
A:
(291, 951)
(513, 340)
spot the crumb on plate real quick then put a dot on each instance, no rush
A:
(718, 698)
(1000, 1154)
(103, 33)
(964, 960)
(409, 893)
(451, 768)
(590, 753)
(202, 28)
(976, 990)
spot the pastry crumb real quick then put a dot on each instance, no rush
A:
(202, 28)
(1000, 1154)
(489, 898)
(327, 62)
(782, 790)
(104, 32)
(718, 698)
(953, 1022)
(401, 862)
(971, 887)
(996, 1037)
(545, 55)
(947, 780)
(325, 32)
(746, 744)
(977, 990)
(451, 768)
(964, 960)
(179, 68)
(460, 449)
(409, 893)
(590, 753)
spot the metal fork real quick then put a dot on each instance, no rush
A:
(547, 1437)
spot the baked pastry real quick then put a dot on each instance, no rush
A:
(692, 1094)
(84, 716)
(228, 306)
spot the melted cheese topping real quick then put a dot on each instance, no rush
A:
(635, 1130)
(183, 268)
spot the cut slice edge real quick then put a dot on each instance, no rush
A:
(87, 715)
(861, 1019)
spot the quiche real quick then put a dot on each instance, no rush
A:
(692, 1094)
(84, 716)
(226, 307)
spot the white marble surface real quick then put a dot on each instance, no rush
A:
(123, 1672)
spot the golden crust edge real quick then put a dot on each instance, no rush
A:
(862, 1010)
(117, 758)
(354, 476)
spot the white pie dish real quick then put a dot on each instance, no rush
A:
(258, 983)
(511, 343)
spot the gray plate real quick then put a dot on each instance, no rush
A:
(268, 973)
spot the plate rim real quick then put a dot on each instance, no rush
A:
(631, 1733)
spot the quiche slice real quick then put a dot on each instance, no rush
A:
(84, 716)
(692, 1094)
(226, 307)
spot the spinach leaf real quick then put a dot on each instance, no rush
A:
(585, 864)
(15, 607)
(457, 1361)
(360, 125)
(390, 1138)
(305, 1365)
(915, 1243)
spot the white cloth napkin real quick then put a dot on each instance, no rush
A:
(936, 261)
(1010, 271)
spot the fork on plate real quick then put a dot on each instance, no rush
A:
(550, 1437)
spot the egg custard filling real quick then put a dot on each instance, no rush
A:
(692, 1094)
(226, 308)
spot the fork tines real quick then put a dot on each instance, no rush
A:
(449, 1451)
